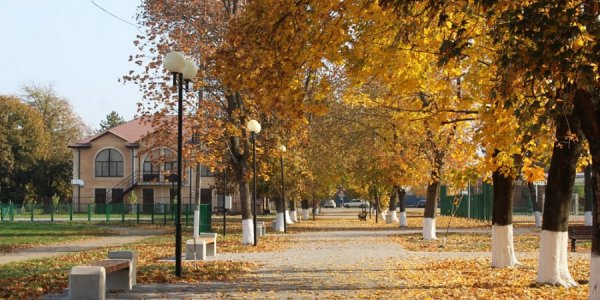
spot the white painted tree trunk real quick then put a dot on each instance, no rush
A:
(429, 229)
(594, 277)
(587, 218)
(279, 222)
(392, 217)
(247, 231)
(196, 231)
(305, 214)
(403, 221)
(294, 216)
(538, 219)
(288, 219)
(553, 265)
(503, 249)
(382, 215)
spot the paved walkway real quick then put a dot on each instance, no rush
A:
(318, 265)
(126, 235)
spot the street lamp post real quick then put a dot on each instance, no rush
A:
(254, 127)
(283, 149)
(182, 69)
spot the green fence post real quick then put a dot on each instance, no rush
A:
(187, 212)
(152, 219)
(107, 212)
(123, 213)
(31, 208)
(164, 214)
(1, 212)
(137, 212)
(51, 212)
(12, 212)
(71, 212)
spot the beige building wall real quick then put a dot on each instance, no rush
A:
(133, 159)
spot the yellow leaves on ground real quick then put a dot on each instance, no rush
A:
(475, 279)
(470, 242)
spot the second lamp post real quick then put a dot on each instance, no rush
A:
(254, 127)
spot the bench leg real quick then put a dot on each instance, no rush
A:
(119, 280)
(211, 249)
(132, 256)
(573, 245)
(195, 251)
(86, 282)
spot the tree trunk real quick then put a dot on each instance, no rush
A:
(401, 195)
(247, 217)
(588, 109)
(535, 203)
(430, 208)
(552, 264)
(293, 213)
(279, 226)
(588, 196)
(503, 250)
(305, 206)
(392, 216)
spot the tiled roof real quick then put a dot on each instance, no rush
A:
(131, 132)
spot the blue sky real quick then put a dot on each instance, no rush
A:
(74, 46)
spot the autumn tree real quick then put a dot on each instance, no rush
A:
(53, 170)
(22, 143)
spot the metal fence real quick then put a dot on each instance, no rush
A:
(118, 212)
(476, 201)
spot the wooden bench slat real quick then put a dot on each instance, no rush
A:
(111, 265)
(208, 240)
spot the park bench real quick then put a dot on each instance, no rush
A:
(362, 216)
(116, 273)
(205, 244)
(579, 232)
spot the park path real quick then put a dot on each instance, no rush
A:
(317, 265)
(125, 236)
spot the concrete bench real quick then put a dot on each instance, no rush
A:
(204, 245)
(362, 216)
(261, 229)
(116, 273)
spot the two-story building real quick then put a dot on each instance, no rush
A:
(108, 166)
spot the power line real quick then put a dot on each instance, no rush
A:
(115, 16)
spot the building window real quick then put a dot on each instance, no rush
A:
(170, 164)
(205, 172)
(109, 163)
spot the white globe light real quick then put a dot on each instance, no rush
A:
(282, 148)
(174, 62)
(189, 70)
(253, 126)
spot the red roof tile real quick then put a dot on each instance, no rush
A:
(131, 132)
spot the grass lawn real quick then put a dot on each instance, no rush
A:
(19, 235)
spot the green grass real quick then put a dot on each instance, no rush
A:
(19, 235)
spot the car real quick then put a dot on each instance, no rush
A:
(421, 203)
(356, 203)
(329, 204)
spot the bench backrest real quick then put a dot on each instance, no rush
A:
(580, 230)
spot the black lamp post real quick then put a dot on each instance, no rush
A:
(182, 69)
(283, 149)
(254, 127)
